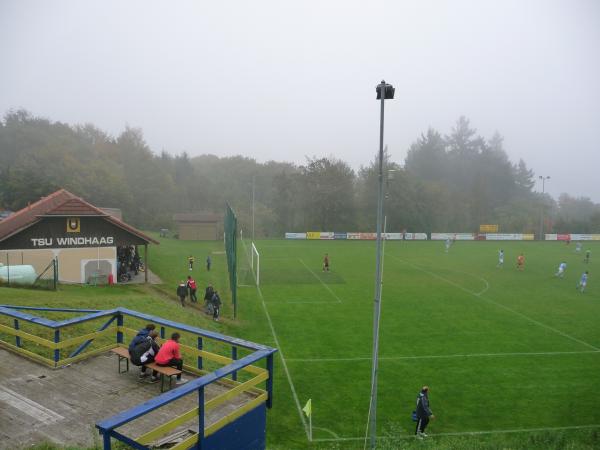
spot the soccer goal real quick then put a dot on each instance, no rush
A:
(255, 263)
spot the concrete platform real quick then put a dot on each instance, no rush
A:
(40, 404)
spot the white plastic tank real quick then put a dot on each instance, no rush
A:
(18, 274)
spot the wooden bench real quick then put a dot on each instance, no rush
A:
(164, 371)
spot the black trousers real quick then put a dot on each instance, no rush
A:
(216, 312)
(177, 363)
(421, 424)
(193, 297)
(182, 298)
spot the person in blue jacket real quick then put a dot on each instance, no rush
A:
(424, 413)
(141, 336)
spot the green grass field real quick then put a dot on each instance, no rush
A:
(501, 349)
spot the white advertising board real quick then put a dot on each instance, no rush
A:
(452, 236)
(295, 235)
(393, 236)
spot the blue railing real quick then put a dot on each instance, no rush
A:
(231, 366)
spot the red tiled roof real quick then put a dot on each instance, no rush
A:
(60, 203)
(75, 207)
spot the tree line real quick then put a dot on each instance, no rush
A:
(452, 182)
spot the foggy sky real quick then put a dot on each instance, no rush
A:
(281, 80)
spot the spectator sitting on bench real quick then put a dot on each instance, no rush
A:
(169, 355)
(141, 336)
(144, 353)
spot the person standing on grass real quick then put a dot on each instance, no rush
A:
(326, 263)
(208, 263)
(191, 285)
(208, 295)
(141, 336)
(582, 282)
(191, 262)
(182, 291)
(216, 302)
(587, 256)
(578, 248)
(424, 413)
(169, 356)
(520, 262)
(500, 259)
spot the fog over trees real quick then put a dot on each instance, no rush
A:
(448, 183)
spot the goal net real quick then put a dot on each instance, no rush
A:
(255, 263)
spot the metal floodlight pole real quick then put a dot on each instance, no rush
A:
(383, 91)
(253, 192)
(543, 178)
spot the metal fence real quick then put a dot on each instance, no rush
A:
(231, 252)
(16, 270)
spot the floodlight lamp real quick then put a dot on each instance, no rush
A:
(388, 90)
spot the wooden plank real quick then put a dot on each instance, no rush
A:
(167, 426)
(165, 370)
(186, 444)
(121, 351)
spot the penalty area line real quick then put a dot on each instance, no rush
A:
(500, 305)
(466, 355)
(465, 433)
(326, 287)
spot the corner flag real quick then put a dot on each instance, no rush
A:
(308, 408)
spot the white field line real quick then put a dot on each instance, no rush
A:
(303, 302)
(465, 433)
(500, 305)
(280, 351)
(321, 281)
(466, 355)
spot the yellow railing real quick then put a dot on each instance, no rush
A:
(235, 388)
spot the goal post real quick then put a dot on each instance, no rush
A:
(255, 263)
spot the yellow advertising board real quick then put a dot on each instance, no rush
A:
(488, 228)
(313, 235)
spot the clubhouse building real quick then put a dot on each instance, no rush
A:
(82, 239)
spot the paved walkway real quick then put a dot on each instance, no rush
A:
(139, 278)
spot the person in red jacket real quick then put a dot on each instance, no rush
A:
(191, 284)
(169, 355)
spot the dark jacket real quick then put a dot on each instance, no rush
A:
(140, 337)
(208, 294)
(182, 290)
(216, 300)
(423, 409)
(141, 348)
